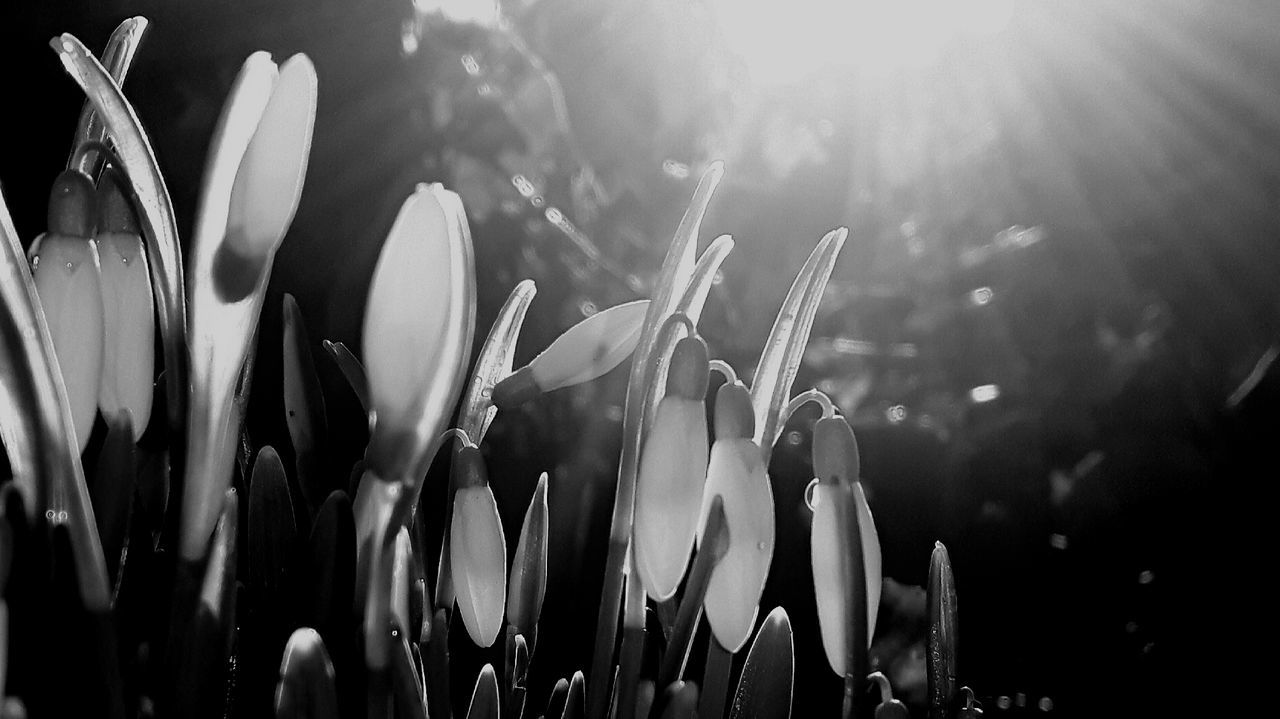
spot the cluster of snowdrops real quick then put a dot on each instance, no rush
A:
(119, 532)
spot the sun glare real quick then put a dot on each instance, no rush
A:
(782, 42)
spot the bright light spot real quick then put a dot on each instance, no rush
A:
(896, 413)
(678, 170)
(523, 185)
(588, 308)
(1058, 541)
(984, 393)
(781, 42)
(981, 296)
(1146, 576)
(480, 12)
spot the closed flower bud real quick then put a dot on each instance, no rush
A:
(478, 550)
(64, 265)
(673, 470)
(417, 329)
(835, 462)
(268, 183)
(736, 472)
(128, 351)
(584, 352)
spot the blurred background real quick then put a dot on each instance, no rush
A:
(1052, 326)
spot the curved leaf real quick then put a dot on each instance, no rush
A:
(574, 701)
(484, 699)
(331, 566)
(494, 362)
(117, 58)
(764, 689)
(304, 410)
(941, 640)
(272, 533)
(351, 369)
(529, 568)
(780, 359)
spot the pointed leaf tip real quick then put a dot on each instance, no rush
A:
(783, 351)
(484, 698)
(306, 688)
(529, 567)
(765, 687)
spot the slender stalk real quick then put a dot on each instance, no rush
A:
(715, 681)
(633, 639)
(715, 545)
(725, 369)
(436, 661)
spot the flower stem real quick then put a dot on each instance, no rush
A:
(714, 547)
(725, 369)
(715, 681)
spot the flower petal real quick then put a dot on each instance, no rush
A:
(737, 474)
(67, 279)
(479, 561)
(590, 348)
(268, 181)
(673, 470)
(128, 314)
